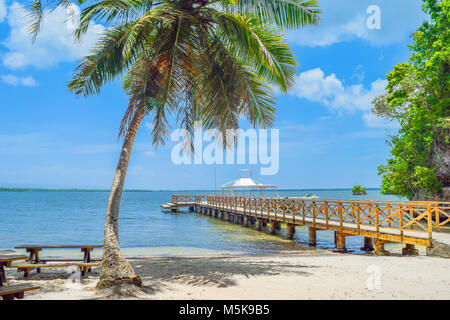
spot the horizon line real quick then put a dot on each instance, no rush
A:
(18, 189)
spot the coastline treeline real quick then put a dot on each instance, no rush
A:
(418, 97)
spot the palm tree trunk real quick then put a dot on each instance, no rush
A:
(117, 276)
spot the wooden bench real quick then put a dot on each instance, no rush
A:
(26, 268)
(16, 290)
(9, 292)
(34, 252)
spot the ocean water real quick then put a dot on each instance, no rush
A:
(77, 217)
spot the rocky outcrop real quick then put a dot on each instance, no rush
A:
(439, 157)
(439, 249)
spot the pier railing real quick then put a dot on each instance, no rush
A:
(413, 216)
(180, 198)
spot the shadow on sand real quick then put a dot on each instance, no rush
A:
(211, 272)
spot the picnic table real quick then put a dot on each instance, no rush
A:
(9, 292)
(35, 262)
(34, 251)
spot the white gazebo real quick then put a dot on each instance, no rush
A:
(247, 186)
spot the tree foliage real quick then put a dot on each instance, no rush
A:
(358, 190)
(418, 97)
(212, 61)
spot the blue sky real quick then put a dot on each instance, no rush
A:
(328, 138)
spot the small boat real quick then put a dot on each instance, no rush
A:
(308, 196)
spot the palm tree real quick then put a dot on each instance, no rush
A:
(208, 60)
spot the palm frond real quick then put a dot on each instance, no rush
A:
(105, 62)
(263, 45)
(289, 14)
(35, 13)
(113, 12)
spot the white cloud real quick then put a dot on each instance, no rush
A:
(2, 10)
(16, 81)
(348, 20)
(330, 91)
(55, 43)
(314, 86)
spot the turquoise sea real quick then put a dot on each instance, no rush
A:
(75, 217)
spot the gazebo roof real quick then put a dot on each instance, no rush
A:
(246, 183)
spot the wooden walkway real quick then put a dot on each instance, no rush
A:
(379, 222)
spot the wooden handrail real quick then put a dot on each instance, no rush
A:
(401, 215)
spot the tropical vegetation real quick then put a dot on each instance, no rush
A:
(418, 97)
(209, 60)
(358, 190)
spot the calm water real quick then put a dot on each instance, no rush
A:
(72, 217)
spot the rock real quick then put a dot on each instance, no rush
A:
(439, 249)
(439, 154)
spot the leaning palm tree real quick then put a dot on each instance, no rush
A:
(213, 61)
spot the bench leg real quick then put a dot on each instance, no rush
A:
(8, 297)
(31, 257)
(36, 257)
(19, 295)
(25, 271)
(2, 275)
(87, 257)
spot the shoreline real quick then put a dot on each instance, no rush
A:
(289, 276)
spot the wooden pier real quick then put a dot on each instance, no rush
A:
(379, 222)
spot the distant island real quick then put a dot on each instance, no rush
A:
(358, 190)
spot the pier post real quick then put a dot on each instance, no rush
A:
(410, 250)
(340, 243)
(258, 224)
(174, 209)
(290, 230)
(312, 236)
(264, 223)
(225, 216)
(220, 214)
(246, 222)
(191, 209)
(368, 244)
(379, 248)
(278, 225)
(273, 227)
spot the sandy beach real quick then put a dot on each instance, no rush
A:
(302, 276)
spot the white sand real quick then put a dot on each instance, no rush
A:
(295, 276)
